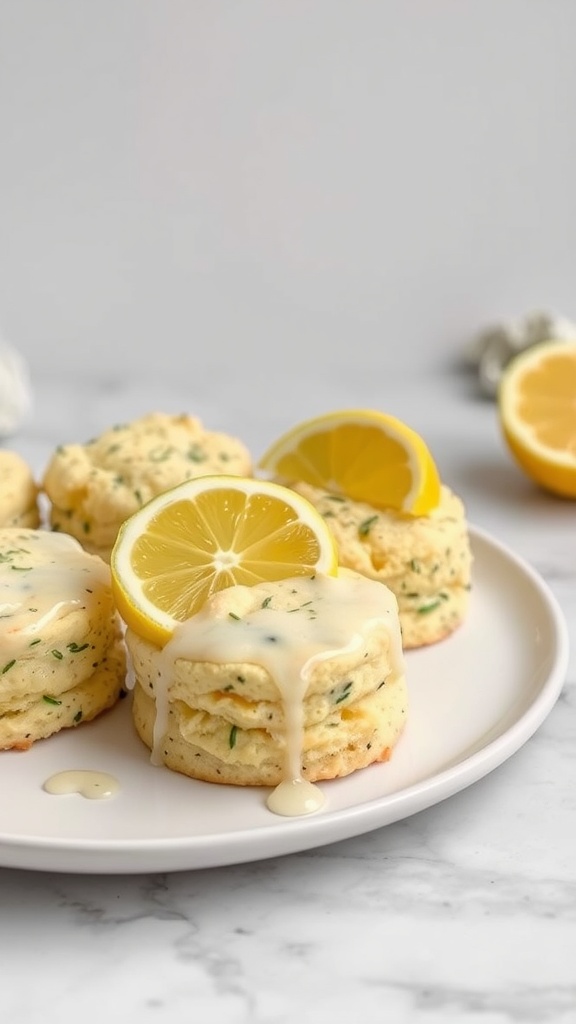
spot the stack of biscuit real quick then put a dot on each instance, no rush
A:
(93, 487)
(425, 560)
(295, 678)
(18, 491)
(62, 655)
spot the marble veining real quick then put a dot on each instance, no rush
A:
(462, 914)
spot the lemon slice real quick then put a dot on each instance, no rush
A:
(362, 454)
(207, 534)
(537, 409)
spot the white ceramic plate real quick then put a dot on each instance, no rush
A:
(476, 698)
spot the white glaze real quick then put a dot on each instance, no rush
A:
(46, 576)
(294, 797)
(286, 627)
(94, 785)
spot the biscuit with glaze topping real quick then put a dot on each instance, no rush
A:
(220, 701)
(62, 653)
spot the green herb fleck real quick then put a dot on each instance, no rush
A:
(57, 654)
(429, 606)
(78, 716)
(345, 693)
(160, 454)
(366, 526)
(8, 666)
(50, 700)
(232, 736)
(196, 454)
(232, 615)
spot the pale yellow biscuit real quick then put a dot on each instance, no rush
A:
(46, 715)
(231, 721)
(18, 491)
(62, 653)
(425, 560)
(92, 488)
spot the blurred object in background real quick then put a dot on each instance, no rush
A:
(493, 348)
(15, 390)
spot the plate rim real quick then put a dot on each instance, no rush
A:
(183, 853)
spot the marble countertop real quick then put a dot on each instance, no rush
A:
(464, 912)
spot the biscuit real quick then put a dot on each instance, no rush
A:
(92, 488)
(425, 560)
(62, 653)
(297, 678)
(18, 492)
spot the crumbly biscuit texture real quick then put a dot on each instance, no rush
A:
(425, 560)
(44, 716)
(18, 491)
(62, 652)
(226, 692)
(92, 488)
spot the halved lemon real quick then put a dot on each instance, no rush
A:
(537, 410)
(362, 454)
(207, 534)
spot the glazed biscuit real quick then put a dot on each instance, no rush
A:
(297, 678)
(18, 492)
(92, 488)
(62, 653)
(425, 560)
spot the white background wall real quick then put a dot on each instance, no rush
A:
(187, 184)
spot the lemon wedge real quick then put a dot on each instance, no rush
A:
(365, 455)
